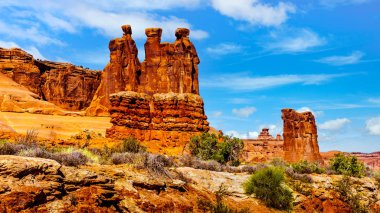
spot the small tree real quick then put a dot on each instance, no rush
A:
(347, 165)
(223, 149)
(267, 185)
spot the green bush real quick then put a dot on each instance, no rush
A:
(347, 165)
(132, 145)
(377, 178)
(305, 167)
(268, 185)
(223, 149)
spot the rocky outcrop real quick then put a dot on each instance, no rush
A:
(65, 85)
(163, 120)
(41, 185)
(17, 98)
(168, 67)
(264, 148)
(300, 136)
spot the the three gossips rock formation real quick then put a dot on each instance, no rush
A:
(156, 100)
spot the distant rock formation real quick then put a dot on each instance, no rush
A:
(300, 136)
(264, 148)
(167, 68)
(65, 85)
(158, 100)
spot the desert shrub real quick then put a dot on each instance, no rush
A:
(223, 149)
(347, 165)
(122, 158)
(305, 167)
(219, 206)
(132, 145)
(268, 185)
(156, 164)
(278, 162)
(7, 148)
(376, 175)
(29, 139)
(345, 188)
(37, 152)
(74, 158)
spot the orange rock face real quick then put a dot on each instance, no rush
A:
(67, 86)
(300, 136)
(168, 67)
(162, 120)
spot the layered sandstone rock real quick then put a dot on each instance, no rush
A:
(264, 148)
(168, 67)
(67, 86)
(17, 98)
(164, 119)
(300, 136)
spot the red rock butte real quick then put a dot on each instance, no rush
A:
(300, 136)
(156, 101)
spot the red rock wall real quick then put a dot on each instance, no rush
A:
(168, 67)
(67, 86)
(168, 119)
(300, 136)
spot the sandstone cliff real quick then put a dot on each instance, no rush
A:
(300, 136)
(65, 85)
(164, 120)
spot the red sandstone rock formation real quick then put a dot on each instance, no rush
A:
(300, 136)
(68, 86)
(167, 68)
(264, 148)
(121, 73)
(165, 119)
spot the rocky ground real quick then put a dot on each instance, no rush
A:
(42, 185)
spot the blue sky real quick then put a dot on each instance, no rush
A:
(257, 56)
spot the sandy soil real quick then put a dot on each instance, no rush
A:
(54, 126)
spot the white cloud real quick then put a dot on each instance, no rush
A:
(8, 44)
(373, 126)
(104, 16)
(334, 124)
(242, 82)
(244, 112)
(247, 135)
(35, 52)
(293, 41)
(374, 100)
(31, 33)
(308, 109)
(354, 58)
(216, 114)
(224, 49)
(31, 50)
(254, 11)
(333, 3)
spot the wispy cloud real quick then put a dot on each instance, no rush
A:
(244, 82)
(336, 60)
(335, 124)
(244, 112)
(246, 135)
(373, 126)
(308, 109)
(104, 16)
(255, 12)
(334, 3)
(224, 49)
(293, 41)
